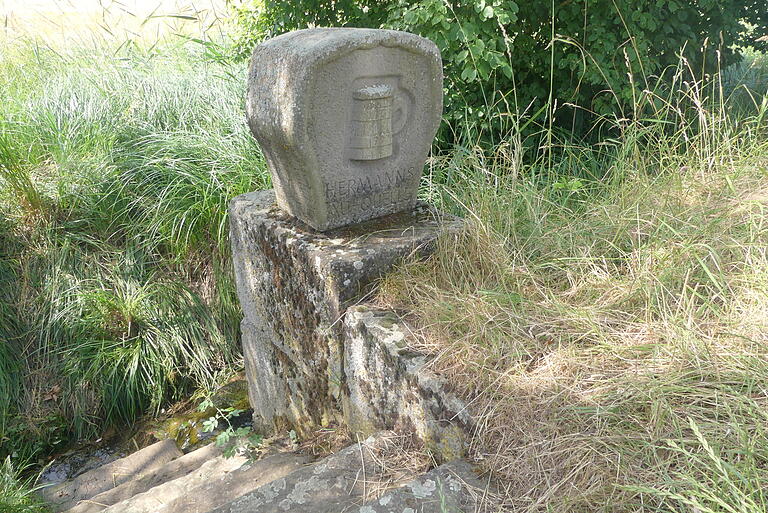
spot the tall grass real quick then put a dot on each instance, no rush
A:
(17, 493)
(116, 294)
(605, 311)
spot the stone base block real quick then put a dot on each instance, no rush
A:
(295, 285)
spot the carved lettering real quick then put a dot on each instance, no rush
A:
(366, 186)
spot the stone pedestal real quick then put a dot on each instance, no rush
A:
(295, 285)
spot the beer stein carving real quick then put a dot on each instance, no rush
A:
(345, 119)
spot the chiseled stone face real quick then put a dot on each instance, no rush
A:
(345, 118)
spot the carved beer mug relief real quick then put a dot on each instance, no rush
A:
(371, 125)
(378, 114)
(345, 119)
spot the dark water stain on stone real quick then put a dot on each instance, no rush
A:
(79, 461)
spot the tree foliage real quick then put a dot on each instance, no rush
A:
(509, 56)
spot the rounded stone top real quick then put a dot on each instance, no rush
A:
(345, 118)
(320, 43)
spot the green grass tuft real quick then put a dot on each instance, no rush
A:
(116, 291)
(17, 493)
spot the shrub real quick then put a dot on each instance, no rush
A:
(504, 56)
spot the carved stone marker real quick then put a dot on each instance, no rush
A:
(345, 118)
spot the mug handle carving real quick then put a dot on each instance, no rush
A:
(399, 112)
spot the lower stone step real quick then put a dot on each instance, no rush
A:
(168, 472)
(450, 488)
(84, 487)
(329, 486)
(213, 483)
(249, 477)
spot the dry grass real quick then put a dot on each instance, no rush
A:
(613, 345)
(85, 23)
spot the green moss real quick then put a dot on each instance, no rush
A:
(447, 444)
(186, 427)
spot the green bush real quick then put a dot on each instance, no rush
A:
(504, 56)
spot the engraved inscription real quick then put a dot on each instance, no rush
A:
(385, 192)
(384, 201)
(371, 127)
(344, 190)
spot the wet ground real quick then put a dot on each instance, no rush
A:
(185, 426)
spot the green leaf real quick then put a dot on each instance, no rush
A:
(242, 431)
(484, 70)
(234, 412)
(488, 12)
(224, 437)
(469, 74)
(205, 405)
(210, 425)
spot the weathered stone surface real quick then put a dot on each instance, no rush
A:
(159, 496)
(168, 472)
(94, 482)
(207, 485)
(213, 492)
(345, 118)
(450, 488)
(390, 387)
(329, 486)
(294, 285)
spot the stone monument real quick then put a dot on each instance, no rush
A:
(345, 118)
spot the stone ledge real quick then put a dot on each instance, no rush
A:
(390, 387)
(451, 487)
(332, 485)
(143, 462)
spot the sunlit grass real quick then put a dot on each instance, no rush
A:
(90, 23)
(604, 311)
(17, 493)
(117, 294)
(609, 329)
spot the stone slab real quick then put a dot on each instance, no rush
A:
(172, 495)
(345, 118)
(294, 285)
(332, 485)
(450, 488)
(157, 497)
(168, 472)
(390, 387)
(147, 460)
(214, 492)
